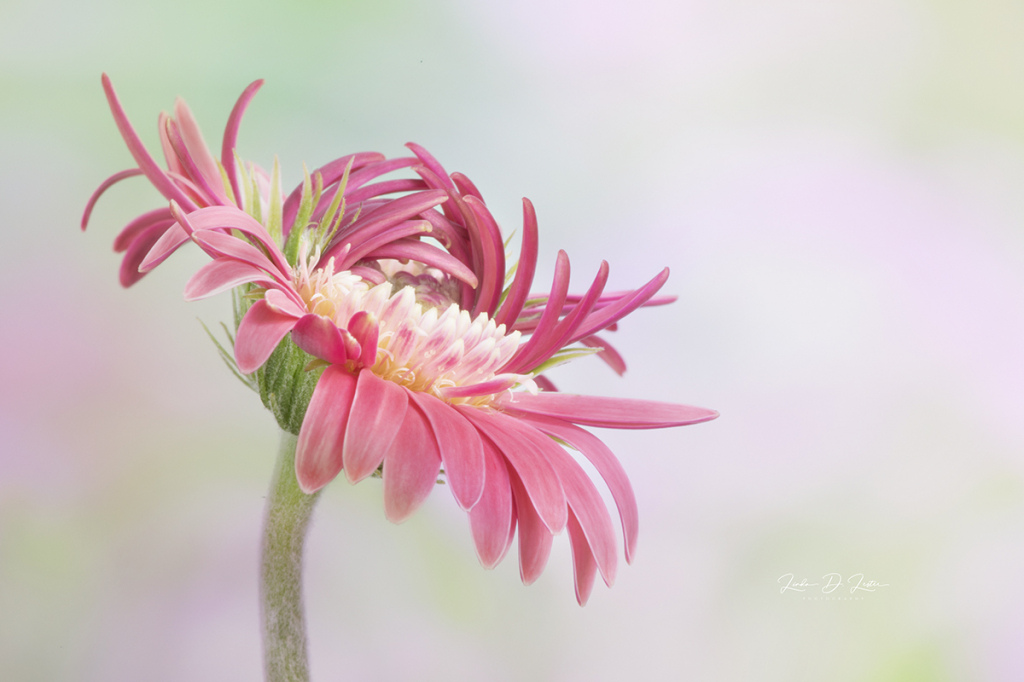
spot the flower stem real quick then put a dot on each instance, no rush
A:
(284, 532)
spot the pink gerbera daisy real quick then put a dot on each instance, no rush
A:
(422, 354)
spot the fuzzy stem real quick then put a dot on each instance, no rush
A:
(284, 532)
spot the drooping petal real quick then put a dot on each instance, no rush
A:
(519, 444)
(492, 520)
(614, 413)
(535, 538)
(318, 454)
(259, 332)
(492, 252)
(586, 503)
(584, 567)
(461, 450)
(321, 338)
(104, 186)
(607, 466)
(378, 410)
(411, 466)
(220, 275)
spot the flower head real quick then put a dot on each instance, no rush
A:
(419, 351)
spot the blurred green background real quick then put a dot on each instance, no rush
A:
(837, 188)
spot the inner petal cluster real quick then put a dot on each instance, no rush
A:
(426, 347)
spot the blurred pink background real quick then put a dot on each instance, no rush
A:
(837, 189)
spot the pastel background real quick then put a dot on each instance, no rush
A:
(837, 188)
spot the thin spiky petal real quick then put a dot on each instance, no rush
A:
(104, 186)
(227, 149)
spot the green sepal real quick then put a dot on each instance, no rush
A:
(285, 386)
(563, 356)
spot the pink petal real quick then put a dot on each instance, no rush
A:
(220, 245)
(220, 217)
(460, 446)
(259, 332)
(147, 165)
(534, 537)
(466, 186)
(584, 567)
(378, 410)
(427, 254)
(285, 301)
(386, 216)
(169, 242)
(430, 162)
(522, 446)
(586, 503)
(104, 186)
(318, 454)
(493, 255)
(607, 353)
(411, 466)
(607, 466)
(613, 413)
(520, 289)
(548, 320)
(198, 151)
(364, 327)
(227, 149)
(136, 253)
(137, 226)
(492, 520)
(220, 275)
(321, 338)
(606, 316)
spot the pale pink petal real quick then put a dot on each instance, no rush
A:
(496, 385)
(197, 150)
(535, 538)
(460, 447)
(104, 186)
(285, 301)
(220, 217)
(364, 328)
(321, 338)
(492, 520)
(607, 466)
(223, 274)
(218, 244)
(377, 412)
(411, 466)
(318, 454)
(584, 567)
(614, 413)
(169, 242)
(522, 447)
(259, 332)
